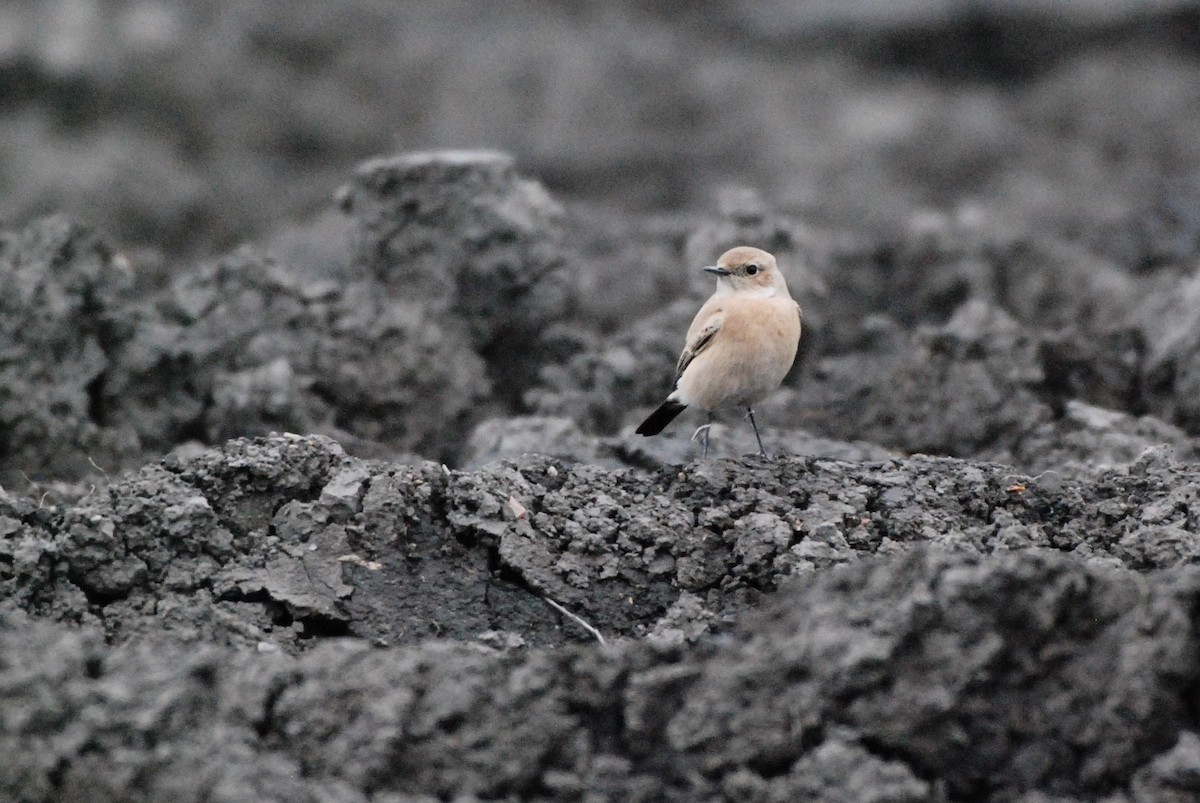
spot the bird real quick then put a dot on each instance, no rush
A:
(740, 346)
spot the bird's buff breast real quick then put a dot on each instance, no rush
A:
(749, 358)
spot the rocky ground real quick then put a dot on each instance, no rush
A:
(316, 420)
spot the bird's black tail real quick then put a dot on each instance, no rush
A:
(658, 419)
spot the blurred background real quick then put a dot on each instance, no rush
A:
(990, 212)
(191, 127)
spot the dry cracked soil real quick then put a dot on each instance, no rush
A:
(324, 331)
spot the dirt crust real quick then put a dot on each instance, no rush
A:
(276, 607)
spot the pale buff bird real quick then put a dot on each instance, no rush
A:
(740, 345)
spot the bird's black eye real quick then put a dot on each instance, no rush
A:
(751, 270)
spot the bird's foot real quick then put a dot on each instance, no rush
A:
(703, 428)
(761, 449)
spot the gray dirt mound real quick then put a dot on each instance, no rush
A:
(478, 246)
(929, 677)
(280, 542)
(64, 312)
(402, 348)
(245, 346)
(953, 389)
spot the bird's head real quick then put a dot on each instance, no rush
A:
(748, 270)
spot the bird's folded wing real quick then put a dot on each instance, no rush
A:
(697, 343)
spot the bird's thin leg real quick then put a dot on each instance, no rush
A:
(704, 428)
(761, 449)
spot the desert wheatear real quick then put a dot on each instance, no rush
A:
(740, 345)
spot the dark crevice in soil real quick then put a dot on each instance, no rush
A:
(318, 627)
(98, 600)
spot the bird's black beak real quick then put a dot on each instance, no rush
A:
(717, 269)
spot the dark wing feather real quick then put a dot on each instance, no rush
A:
(700, 342)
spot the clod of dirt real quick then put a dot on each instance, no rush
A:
(246, 346)
(64, 311)
(1172, 323)
(476, 244)
(953, 389)
(993, 677)
(1089, 440)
